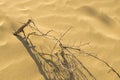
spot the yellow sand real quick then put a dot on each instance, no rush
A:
(94, 21)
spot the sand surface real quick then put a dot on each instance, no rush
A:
(94, 21)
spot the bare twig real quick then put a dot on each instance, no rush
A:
(58, 40)
(67, 66)
(22, 27)
(97, 59)
(112, 69)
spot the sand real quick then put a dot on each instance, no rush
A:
(94, 21)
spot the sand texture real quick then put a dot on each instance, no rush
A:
(95, 28)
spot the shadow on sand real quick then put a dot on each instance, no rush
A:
(62, 65)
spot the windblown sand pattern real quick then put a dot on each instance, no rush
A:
(95, 29)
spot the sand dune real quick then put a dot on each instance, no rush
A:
(93, 21)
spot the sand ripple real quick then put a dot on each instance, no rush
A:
(96, 21)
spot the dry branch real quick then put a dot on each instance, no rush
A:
(64, 65)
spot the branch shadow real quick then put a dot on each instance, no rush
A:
(60, 66)
(50, 69)
(55, 72)
(29, 50)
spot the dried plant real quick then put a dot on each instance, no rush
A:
(60, 65)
